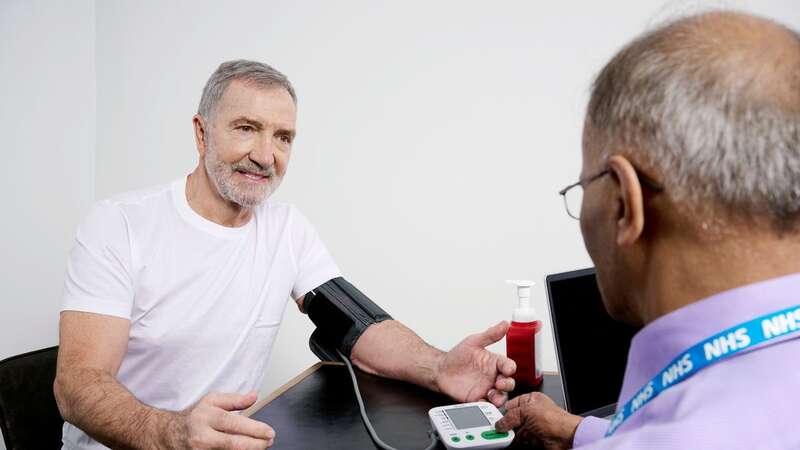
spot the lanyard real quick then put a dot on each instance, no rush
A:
(723, 345)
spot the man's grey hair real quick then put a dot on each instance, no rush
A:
(711, 105)
(259, 74)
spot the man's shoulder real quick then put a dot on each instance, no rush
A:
(125, 209)
(144, 196)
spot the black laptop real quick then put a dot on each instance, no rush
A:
(592, 348)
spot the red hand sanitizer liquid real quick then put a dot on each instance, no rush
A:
(522, 343)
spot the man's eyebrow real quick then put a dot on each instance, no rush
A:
(287, 131)
(249, 121)
(291, 132)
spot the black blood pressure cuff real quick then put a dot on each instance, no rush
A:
(341, 313)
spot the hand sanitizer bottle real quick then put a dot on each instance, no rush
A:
(522, 344)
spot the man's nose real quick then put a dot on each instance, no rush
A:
(264, 153)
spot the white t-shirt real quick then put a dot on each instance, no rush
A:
(204, 301)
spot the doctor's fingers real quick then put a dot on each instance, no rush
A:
(518, 401)
(513, 418)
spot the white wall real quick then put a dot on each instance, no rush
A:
(47, 114)
(434, 137)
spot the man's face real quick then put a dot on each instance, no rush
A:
(248, 142)
(599, 215)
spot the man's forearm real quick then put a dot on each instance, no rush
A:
(97, 403)
(392, 350)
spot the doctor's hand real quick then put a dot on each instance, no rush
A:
(470, 373)
(539, 421)
(212, 424)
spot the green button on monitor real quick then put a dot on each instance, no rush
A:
(470, 437)
(455, 439)
(491, 434)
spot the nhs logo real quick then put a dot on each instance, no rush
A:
(781, 324)
(677, 370)
(642, 397)
(727, 343)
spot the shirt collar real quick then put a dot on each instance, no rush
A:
(655, 345)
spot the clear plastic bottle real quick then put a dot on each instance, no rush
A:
(522, 344)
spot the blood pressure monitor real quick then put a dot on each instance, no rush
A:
(469, 425)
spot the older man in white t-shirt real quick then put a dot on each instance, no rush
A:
(174, 294)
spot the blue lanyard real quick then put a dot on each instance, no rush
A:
(723, 345)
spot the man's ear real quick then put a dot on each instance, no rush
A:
(199, 134)
(630, 221)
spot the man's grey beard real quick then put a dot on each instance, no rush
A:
(222, 173)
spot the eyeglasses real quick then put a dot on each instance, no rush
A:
(573, 198)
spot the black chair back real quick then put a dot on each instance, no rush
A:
(29, 417)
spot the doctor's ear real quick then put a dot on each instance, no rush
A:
(630, 206)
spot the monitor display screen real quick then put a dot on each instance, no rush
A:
(592, 348)
(467, 417)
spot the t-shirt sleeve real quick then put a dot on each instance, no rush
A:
(589, 430)
(99, 276)
(314, 263)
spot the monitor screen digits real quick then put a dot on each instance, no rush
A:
(467, 417)
(592, 347)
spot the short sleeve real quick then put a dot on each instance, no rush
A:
(314, 263)
(99, 268)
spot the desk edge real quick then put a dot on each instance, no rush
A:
(288, 385)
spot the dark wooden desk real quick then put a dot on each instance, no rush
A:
(318, 410)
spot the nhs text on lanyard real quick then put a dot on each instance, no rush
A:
(722, 345)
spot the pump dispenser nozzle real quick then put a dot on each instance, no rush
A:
(524, 311)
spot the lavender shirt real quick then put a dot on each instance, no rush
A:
(751, 400)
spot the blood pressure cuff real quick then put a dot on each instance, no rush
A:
(341, 313)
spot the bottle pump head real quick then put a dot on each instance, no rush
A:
(524, 311)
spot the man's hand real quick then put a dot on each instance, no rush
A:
(536, 419)
(210, 424)
(470, 373)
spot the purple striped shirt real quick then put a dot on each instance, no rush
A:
(749, 401)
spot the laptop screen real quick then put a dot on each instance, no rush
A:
(592, 348)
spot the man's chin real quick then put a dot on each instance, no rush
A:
(249, 196)
(251, 201)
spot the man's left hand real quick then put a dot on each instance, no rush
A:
(469, 372)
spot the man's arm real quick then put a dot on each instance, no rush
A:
(392, 350)
(466, 373)
(91, 349)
